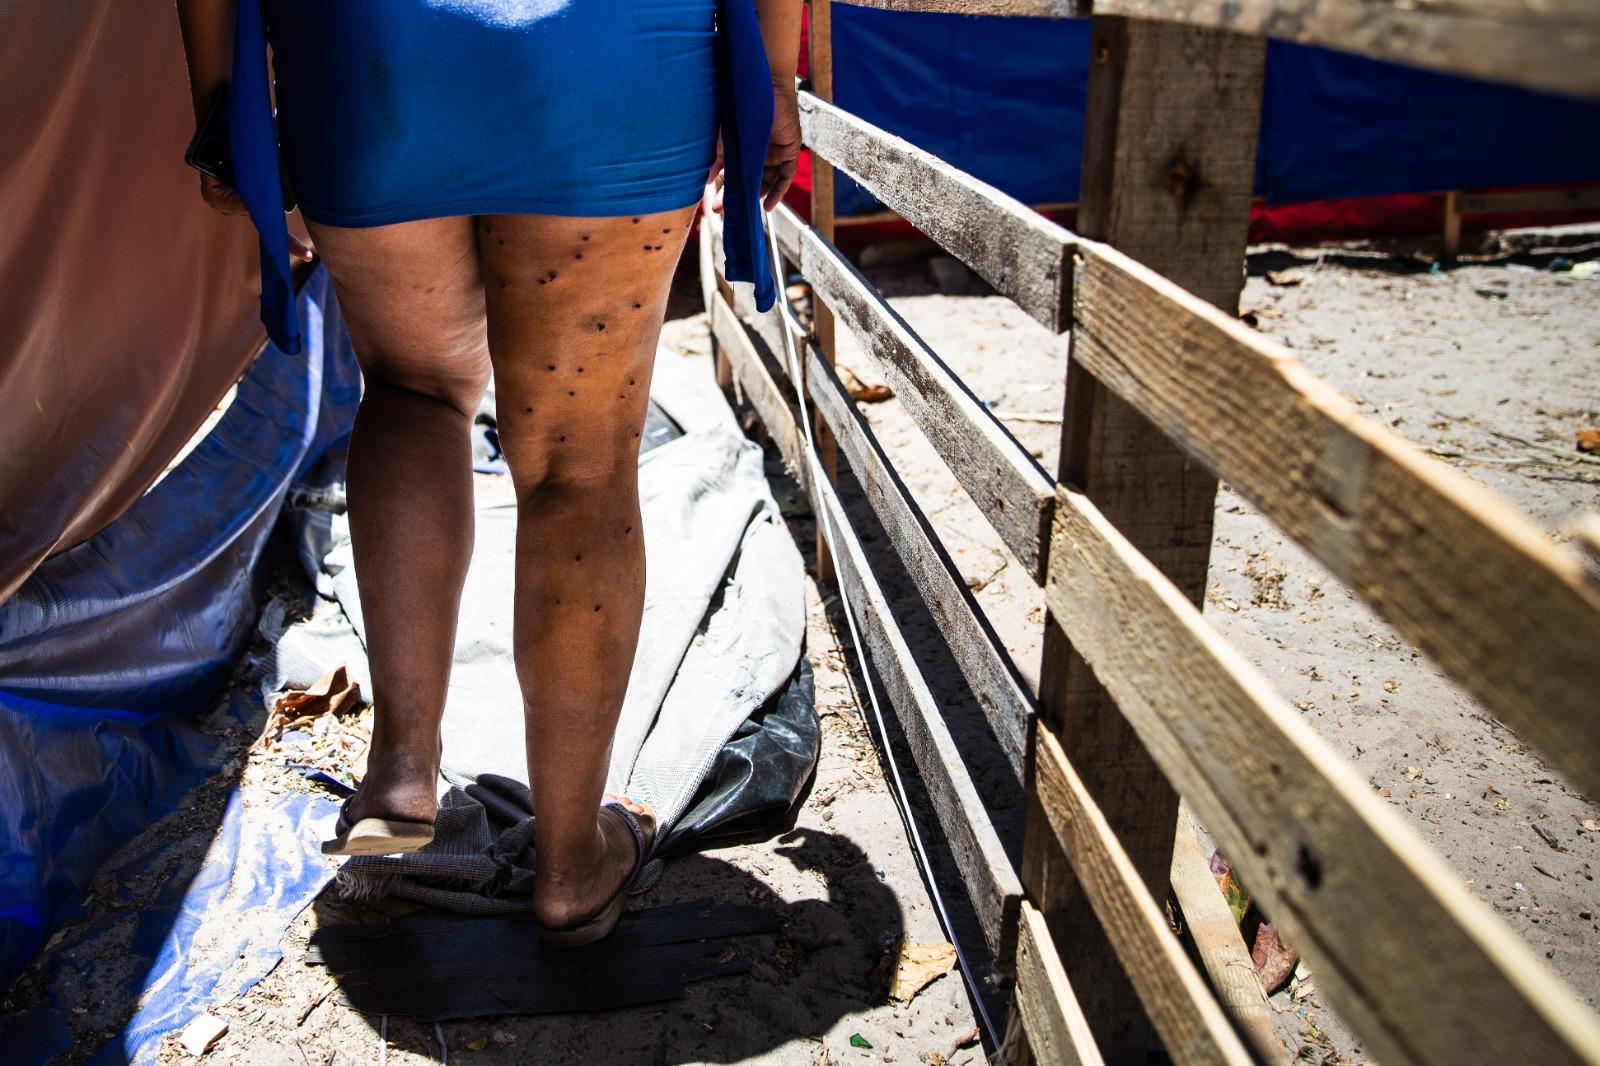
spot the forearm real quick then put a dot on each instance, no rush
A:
(207, 27)
(780, 32)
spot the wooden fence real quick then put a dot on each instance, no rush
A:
(1140, 701)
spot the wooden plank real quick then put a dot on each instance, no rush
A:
(1419, 968)
(761, 388)
(972, 641)
(1548, 45)
(1057, 1030)
(1222, 950)
(1044, 9)
(708, 292)
(1483, 203)
(991, 884)
(819, 41)
(1192, 1026)
(1003, 479)
(1170, 126)
(1022, 254)
(1459, 572)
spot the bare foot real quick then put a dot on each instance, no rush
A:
(569, 890)
(399, 785)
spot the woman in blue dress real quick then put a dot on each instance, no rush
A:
(505, 185)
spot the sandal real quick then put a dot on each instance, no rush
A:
(377, 836)
(605, 920)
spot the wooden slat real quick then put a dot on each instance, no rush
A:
(1019, 8)
(1222, 950)
(972, 641)
(1003, 479)
(760, 388)
(1483, 203)
(1549, 45)
(1057, 1030)
(991, 884)
(1192, 1026)
(1021, 253)
(1459, 572)
(1420, 968)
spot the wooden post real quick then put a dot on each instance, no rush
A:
(820, 40)
(1168, 164)
(1452, 224)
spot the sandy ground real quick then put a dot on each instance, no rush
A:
(1450, 359)
(1447, 359)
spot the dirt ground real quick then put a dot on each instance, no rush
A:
(1449, 359)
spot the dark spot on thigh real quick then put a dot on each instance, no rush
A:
(552, 366)
(562, 438)
(580, 370)
(558, 599)
(572, 392)
(621, 397)
(597, 607)
(488, 228)
(630, 381)
(585, 236)
(577, 558)
(666, 229)
(627, 529)
(600, 326)
(552, 275)
(647, 248)
(658, 247)
(637, 305)
(528, 409)
(635, 222)
(501, 241)
(541, 281)
(502, 283)
(577, 255)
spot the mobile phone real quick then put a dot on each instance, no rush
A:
(209, 150)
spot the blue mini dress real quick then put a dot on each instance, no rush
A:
(397, 110)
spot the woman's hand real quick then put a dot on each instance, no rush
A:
(783, 148)
(783, 151)
(226, 200)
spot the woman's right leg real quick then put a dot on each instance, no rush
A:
(412, 299)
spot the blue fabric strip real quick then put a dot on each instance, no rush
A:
(253, 138)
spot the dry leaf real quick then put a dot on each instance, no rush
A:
(919, 965)
(1589, 440)
(862, 392)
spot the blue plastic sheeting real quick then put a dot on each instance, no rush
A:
(110, 649)
(260, 871)
(1002, 98)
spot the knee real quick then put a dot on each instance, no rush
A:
(458, 387)
(552, 467)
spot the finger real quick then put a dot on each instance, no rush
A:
(300, 249)
(778, 180)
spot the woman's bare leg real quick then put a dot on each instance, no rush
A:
(412, 297)
(575, 307)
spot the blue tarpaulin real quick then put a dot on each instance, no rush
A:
(261, 868)
(111, 649)
(1002, 98)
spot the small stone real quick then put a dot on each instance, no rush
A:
(200, 1035)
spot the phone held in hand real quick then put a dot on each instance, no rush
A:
(209, 150)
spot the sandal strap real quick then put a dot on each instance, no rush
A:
(640, 849)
